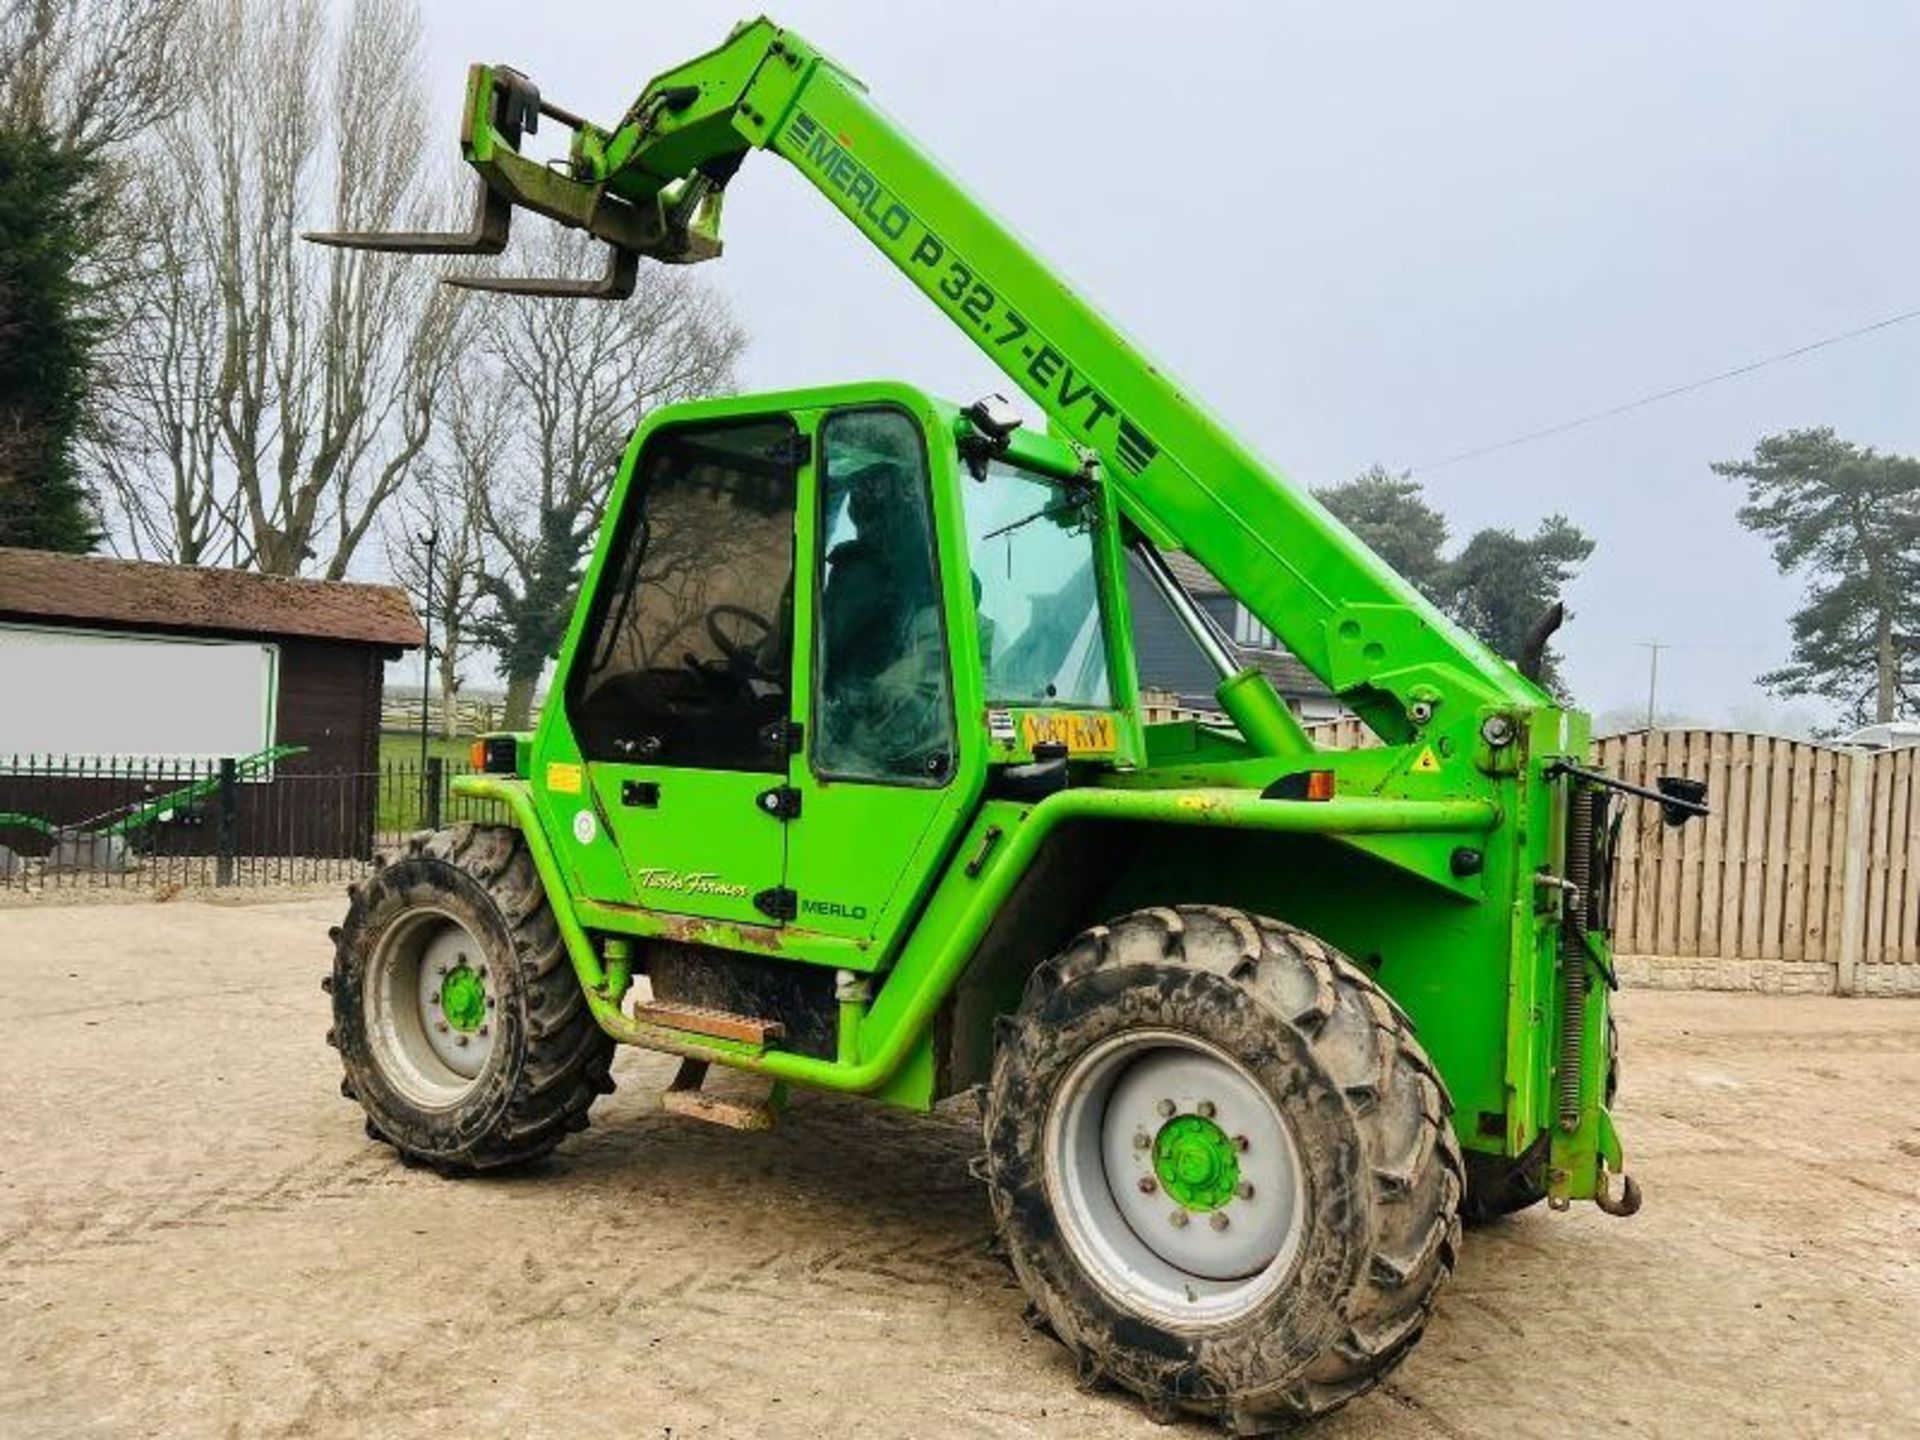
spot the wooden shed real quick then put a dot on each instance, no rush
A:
(162, 670)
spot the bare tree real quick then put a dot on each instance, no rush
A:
(156, 450)
(90, 74)
(443, 503)
(279, 395)
(578, 379)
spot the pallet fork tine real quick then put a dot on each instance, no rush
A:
(492, 223)
(623, 270)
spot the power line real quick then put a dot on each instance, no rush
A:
(1659, 395)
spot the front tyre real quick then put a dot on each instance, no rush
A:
(1222, 1166)
(461, 1026)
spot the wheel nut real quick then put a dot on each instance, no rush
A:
(439, 969)
(1179, 1218)
(486, 1030)
(1245, 1190)
(1240, 1143)
(491, 1002)
(1141, 1140)
(461, 1041)
(1218, 1220)
(1148, 1185)
(441, 1026)
(1166, 1108)
(434, 999)
(481, 972)
(1204, 1109)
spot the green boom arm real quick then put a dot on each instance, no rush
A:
(652, 186)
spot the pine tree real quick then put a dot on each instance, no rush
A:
(1848, 518)
(46, 344)
(1498, 585)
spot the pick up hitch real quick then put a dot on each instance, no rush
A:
(1680, 800)
(1626, 1203)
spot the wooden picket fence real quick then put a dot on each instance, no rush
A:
(472, 715)
(1806, 876)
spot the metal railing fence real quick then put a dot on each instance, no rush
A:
(71, 823)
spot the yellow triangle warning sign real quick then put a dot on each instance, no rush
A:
(1428, 763)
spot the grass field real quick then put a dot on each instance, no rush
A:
(402, 805)
(399, 747)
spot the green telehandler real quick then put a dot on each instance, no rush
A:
(844, 781)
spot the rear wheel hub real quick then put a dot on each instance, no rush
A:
(463, 998)
(431, 1010)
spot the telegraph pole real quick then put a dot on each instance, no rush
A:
(428, 540)
(1653, 649)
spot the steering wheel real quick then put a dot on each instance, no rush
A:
(742, 652)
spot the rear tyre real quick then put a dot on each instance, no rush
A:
(462, 1029)
(1221, 1166)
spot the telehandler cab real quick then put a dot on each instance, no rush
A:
(843, 780)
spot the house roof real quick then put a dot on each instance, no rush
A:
(1194, 577)
(39, 586)
(1290, 677)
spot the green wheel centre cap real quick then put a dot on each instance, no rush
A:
(463, 998)
(1196, 1162)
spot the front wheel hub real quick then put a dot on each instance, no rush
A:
(431, 1010)
(1195, 1160)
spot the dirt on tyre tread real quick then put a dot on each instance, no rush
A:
(1370, 1115)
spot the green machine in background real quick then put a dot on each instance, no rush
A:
(112, 839)
(844, 781)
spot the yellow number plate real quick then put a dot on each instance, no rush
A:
(1082, 734)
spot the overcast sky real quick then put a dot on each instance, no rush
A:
(1384, 233)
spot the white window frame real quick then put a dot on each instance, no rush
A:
(1249, 633)
(127, 707)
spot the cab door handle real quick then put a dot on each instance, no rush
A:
(642, 793)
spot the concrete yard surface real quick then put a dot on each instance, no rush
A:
(196, 1238)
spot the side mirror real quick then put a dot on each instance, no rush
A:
(991, 421)
(1682, 798)
(994, 418)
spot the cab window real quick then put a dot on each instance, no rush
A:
(689, 644)
(883, 705)
(1037, 587)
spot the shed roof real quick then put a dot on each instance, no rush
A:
(39, 586)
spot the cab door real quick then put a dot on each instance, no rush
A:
(681, 701)
(878, 782)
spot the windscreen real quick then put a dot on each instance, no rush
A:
(1031, 541)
